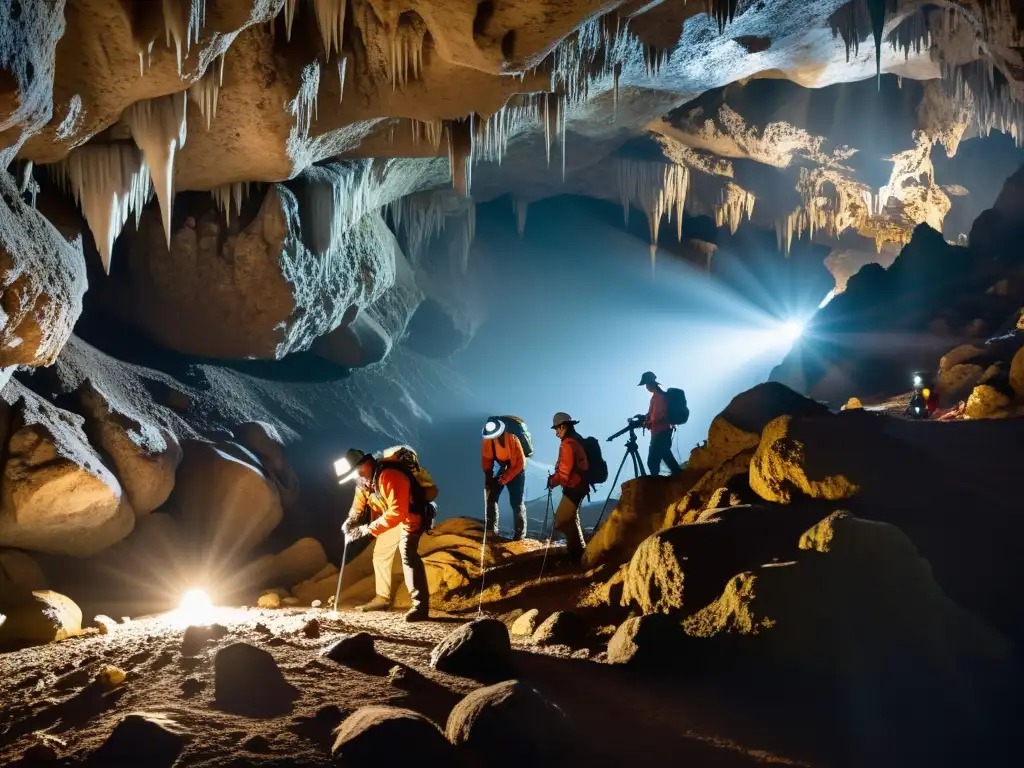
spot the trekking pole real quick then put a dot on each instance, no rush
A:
(550, 536)
(483, 553)
(341, 570)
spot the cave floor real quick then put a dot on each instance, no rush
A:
(48, 698)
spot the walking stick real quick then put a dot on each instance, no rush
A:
(483, 552)
(550, 536)
(341, 570)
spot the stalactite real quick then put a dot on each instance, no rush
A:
(205, 93)
(405, 52)
(289, 18)
(342, 72)
(420, 217)
(521, 208)
(182, 25)
(460, 154)
(431, 131)
(304, 105)
(108, 182)
(722, 11)
(228, 196)
(657, 189)
(733, 204)
(330, 18)
(159, 127)
(912, 34)
(988, 97)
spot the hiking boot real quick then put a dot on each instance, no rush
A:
(417, 614)
(377, 604)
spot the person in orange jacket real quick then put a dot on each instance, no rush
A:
(570, 474)
(661, 431)
(501, 447)
(387, 495)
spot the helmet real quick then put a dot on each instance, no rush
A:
(495, 427)
(345, 467)
(561, 418)
(647, 378)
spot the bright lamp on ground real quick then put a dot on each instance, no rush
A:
(195, 606)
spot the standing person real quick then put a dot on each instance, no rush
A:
(387, 490)
(502, 447)
(571, 475)
(661, 429)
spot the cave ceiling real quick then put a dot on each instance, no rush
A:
(298, 119)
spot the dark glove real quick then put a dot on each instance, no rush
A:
(551, 482)
(357, 532)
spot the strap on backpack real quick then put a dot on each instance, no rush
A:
(415, 489)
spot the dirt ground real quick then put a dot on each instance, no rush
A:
(617, 717)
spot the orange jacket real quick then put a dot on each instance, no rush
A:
(572, 461)
(388, 503)
(508, 452)
(657, 414)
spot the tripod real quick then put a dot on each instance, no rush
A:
(632, 452)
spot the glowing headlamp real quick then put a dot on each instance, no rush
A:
(342, 467)
(918, 381)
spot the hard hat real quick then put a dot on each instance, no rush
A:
(561, 418)
(647, 378)
(345, 467)
(494, 427)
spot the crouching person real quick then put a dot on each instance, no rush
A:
(390, 494)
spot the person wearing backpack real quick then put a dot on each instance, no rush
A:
(390, 492)
(503, 444)
(571, 473)
(660, 425)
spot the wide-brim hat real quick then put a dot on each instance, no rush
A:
(348, 465)
(561, 418)
(493, 428)
(647, 378)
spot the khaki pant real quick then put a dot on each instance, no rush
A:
(384, 549)
(567, 521)
(407, 544)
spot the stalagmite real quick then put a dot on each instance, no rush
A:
(159, 127)
(228, 196)
(205, 93)
(303, 106)
(108, 181)
(521, 208)
(330, 18)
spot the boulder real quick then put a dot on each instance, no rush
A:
(1017, 373)
(956, 382)
(859, 627)
(737, 428)
(686, 566)
(57, 495)
(561, 628)
(525, 625)
(401, 734)
(965, 353)
(269, 601)
(292, 566)
(19, 575)
(480, 649)
(641, 510)
(987, 402)
(143, 456)
(810, 457)
(228, 503)
(729, 479)
(480, 725)
(265, 441)
(362, 343)
(352, 649)
(41, 617)
(143, 738)
(650, 642)
(247, 681)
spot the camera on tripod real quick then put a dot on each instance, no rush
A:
(633, 423)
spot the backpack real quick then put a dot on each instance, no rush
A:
(424, 489)
(517, 427)
(678, 411)
(597, 469)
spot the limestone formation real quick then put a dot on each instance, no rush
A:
(264, 440)
(41, 616)
(225, 501)
(58, 497)
(987, 402)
